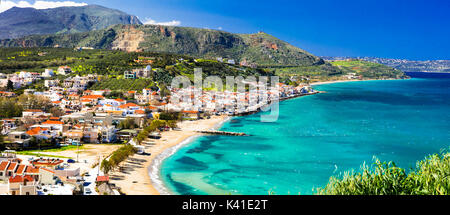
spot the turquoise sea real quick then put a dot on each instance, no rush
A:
(316, 137)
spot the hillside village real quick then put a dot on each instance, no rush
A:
(69, 114)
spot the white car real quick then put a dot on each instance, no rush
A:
(87, 191)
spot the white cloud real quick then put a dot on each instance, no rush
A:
(149, 21)
(220, 28)
(6, 5)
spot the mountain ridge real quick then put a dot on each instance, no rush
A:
(259, 48)
(19, 22)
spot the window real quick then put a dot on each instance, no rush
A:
(1, 173)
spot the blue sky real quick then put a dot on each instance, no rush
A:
(418, 30)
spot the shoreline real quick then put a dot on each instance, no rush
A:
(154, 169)
(140, 174)
(150, 179)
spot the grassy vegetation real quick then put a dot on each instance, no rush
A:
(319, 71)
(368, 69)
(431, 176)
(112, 64)
(260, 48)
(42, 153)
(61, 149)
(36, 154)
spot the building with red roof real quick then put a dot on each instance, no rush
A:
(50, 163)
(102, 179)
(22, 185)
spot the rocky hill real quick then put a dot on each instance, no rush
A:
(259, 48)
(18, 22)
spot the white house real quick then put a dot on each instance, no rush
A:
(48, 73)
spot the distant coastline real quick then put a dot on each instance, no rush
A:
(428, 74)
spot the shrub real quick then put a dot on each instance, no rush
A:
(430, 177)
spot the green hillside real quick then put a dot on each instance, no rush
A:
(111, 64)
(368, 69)
(260, 48)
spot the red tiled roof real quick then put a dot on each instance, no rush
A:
(47, 162)
(33, 110)
(19, 179)
(12, 166)
(49, 122)
(4, 165)
(139, 112)
(127, 105)
(102, 178)
(92, 97)
(21, 169)
(34, 131)
(32, 170)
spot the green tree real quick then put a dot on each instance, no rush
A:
(10, 85)
(128, 123)
(106, 166)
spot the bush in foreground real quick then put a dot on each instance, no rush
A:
(431, 176)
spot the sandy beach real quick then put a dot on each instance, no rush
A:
(133, 175)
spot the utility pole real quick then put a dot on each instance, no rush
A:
(98, 166)
(39, 142)
(78, 149)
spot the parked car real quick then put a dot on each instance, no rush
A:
(87, 191)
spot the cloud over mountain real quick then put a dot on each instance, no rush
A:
(149, 21)
(6, 5)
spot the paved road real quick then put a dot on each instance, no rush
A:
(90, 180)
